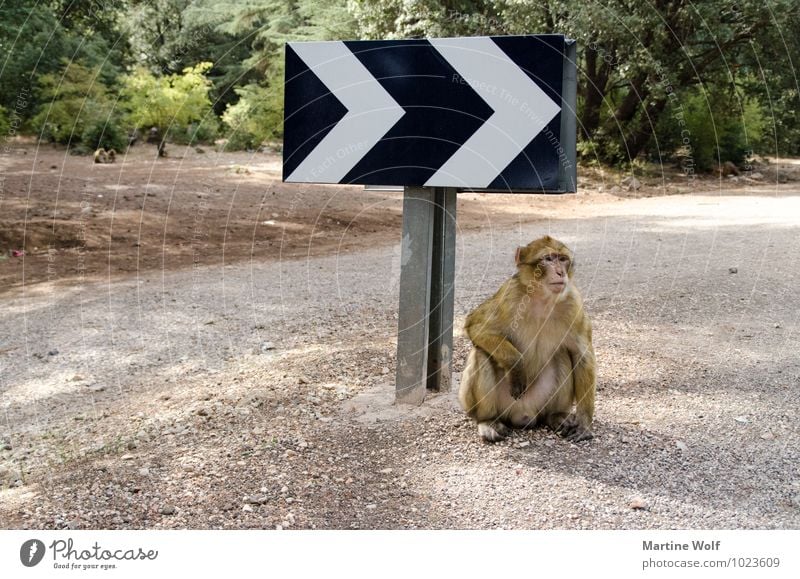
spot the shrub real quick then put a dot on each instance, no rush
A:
(4, 126)
(255, 118)
(70, 102)
(713, 127)
(170, 103)
(205, 131)
(106, 134)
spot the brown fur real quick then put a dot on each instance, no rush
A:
(533, 355)
(103, 156)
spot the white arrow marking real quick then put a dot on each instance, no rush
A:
(521, 111)
(371, 112)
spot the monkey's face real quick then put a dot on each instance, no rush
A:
(552, 272)
(545, 263)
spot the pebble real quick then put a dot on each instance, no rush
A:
(385, 471)
(256, 499)
(247, 509)
(638, 503)
(681, 445)
(733, 270)
(372, 506)
(126, 457)
(741, 419)
(144, 472)
(168, 510)
(267, 346)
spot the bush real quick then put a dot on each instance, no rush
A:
(164, 102)
(107, 135)
(205, 131)
(712, 127)
(4, 125)
(70, 102)
(255, 118)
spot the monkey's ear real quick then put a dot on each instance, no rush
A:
(521, 256)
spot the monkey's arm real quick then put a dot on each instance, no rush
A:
(503, 352)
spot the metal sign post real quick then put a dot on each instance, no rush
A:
(425, 321)
(435, 116)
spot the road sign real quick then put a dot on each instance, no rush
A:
(494, 113)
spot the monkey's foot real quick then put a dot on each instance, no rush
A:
(493, 431)
(568, 426)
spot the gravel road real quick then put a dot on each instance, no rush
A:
(259, 395)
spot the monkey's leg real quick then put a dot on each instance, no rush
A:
(557, 411)
(493, 431)
(479, 395)
(583, 370)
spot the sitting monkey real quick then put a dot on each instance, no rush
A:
(533, 356)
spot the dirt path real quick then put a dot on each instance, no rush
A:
(258, 394)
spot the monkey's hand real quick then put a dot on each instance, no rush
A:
(572, 429)
(519, 380)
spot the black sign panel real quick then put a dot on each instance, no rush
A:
(478, 113)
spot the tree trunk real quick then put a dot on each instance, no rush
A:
(645, 127)
(594, 92)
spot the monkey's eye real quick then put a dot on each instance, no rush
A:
(549, 258)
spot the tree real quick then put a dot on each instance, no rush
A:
(35, 36)
(69, 101)
(167, 101)
(638, 61)
(268, 25)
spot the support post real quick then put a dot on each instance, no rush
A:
(440, 334)
(427, 272)
(568, 168)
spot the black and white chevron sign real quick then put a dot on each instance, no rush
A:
(479, 113)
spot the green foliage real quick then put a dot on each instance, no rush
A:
(255, 118)
(634, 58)
(707, 128)
(35, 36)
(168, 101)
(106, 134)
(205, 131)
(4, 125)
(70, 101)
(379, 19)
(268, 24)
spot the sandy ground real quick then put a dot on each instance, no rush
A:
(230, 383)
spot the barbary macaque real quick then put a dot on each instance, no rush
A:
(103, 156)
(533, 356)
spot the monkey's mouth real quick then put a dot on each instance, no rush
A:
(557, 285)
